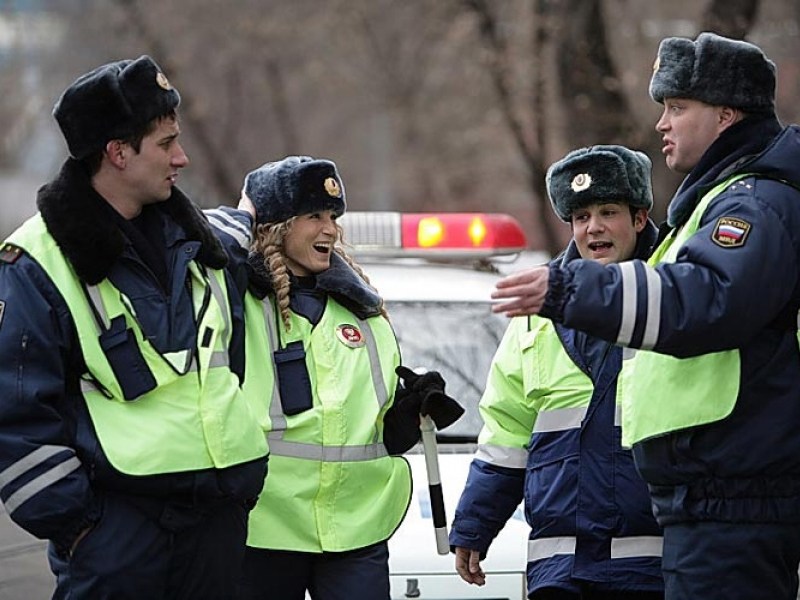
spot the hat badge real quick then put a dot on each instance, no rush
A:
(332, 187)
(162, 81)
(581, 182)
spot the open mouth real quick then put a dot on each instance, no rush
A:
(600, 246)
(323, 247)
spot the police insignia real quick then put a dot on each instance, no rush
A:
(350, 335)
(730, 232)
(332, 187)
(163, 82)
(9, 253)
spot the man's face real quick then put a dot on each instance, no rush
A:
(605, 231)
(151, 173)
(308, 244)
(688, 128)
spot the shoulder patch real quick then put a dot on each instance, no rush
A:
(730, 232)
(9, 253)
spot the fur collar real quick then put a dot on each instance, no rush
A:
(76, 216)
(339, 280)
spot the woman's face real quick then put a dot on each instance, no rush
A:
(308, 244)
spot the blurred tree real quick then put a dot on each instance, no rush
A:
(424, 104)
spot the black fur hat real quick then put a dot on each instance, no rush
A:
(599, 174)
(296, 185)
(111, 102)
(715, 70)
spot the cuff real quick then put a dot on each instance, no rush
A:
(558, 291)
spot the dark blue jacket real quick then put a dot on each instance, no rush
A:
(579, 483)
(41, 407)
(746, 467)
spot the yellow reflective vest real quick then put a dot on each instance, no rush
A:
(182, 411)
(331, 485)
(661, 393)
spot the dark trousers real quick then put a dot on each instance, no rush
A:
(361, 574)
(143, 548)
(588, 594)
(731, 561)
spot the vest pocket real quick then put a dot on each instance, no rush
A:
(293, 381)
(126, 360)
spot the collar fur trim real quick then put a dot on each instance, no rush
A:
(75, 215)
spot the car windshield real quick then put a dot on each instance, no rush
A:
(458, 339)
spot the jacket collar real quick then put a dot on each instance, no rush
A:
(77, 218)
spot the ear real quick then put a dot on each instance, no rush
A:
(116, 150)
(640, 219)
(727, 116)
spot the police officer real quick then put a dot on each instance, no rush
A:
(711, 401)
(321, 366)
(551, 433)
(124, 436)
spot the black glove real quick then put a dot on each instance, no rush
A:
(428, 390)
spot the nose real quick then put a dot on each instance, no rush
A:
(595, 225)
(329, 224)
(179, 157)
(662, 124)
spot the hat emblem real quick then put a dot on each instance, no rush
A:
(581, 182)
(162, 81)
(332, 187)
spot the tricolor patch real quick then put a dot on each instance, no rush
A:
(730, 232)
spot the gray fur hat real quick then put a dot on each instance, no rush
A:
(715, 70)
(599, 174)
(296, 185)
(112, 102)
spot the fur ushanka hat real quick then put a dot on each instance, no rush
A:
(715, 70)
(599, 174)
(111, 102)
(296, 185)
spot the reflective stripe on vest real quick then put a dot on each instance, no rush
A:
(626, 547)
(195, 417)
(659, 393)
(553, 387)
(332, 486)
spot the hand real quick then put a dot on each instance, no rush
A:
(246, 204)
(468, 566)
(428, 388)
(526, 291)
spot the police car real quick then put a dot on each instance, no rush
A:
(436, 273)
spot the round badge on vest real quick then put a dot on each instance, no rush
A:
(350, 335)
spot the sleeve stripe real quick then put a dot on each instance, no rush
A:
(35, 486)
(29, 462)
(653, 320)
(628, 322)
(230, 226)
(514, 458)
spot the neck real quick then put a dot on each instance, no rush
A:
(107, 185)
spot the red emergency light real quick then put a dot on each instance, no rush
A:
(456, 235)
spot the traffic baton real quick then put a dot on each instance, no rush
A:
(434, 483)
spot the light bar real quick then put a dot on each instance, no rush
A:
(435, 235)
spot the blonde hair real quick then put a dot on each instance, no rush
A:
(268, 243)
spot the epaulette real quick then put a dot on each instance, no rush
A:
(9, 253)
